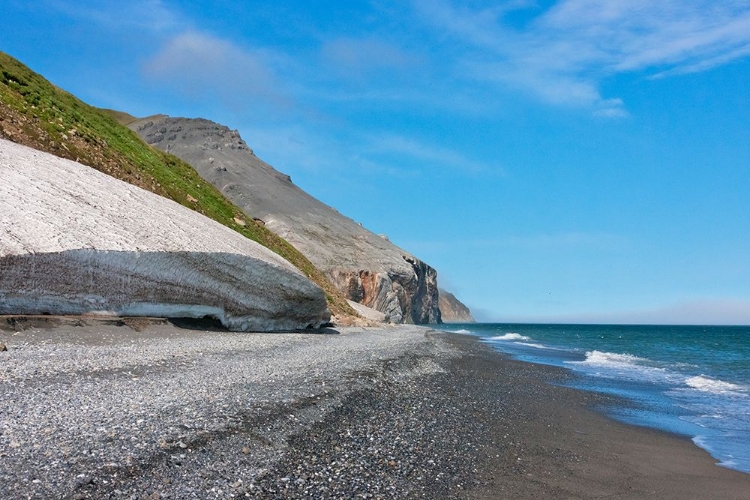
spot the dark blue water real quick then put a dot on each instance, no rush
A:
(691, 380)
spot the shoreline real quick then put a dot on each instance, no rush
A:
(158, 411)
(572, 449)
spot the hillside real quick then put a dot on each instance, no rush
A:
(367, 268)
(35, 113)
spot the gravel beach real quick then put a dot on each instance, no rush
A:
(150, 411)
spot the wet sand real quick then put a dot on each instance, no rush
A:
(549, 443)
(158, 411)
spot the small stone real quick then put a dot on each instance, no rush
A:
(245, 450)
(83, 480)
(3, 347)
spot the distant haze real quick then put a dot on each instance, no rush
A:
(712, 312)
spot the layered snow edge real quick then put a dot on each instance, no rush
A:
(76, 241)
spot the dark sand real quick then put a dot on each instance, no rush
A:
(546, 442)
(165, 412)
(495, 428)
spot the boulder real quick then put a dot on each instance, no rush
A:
(76, 241)
(367, 268)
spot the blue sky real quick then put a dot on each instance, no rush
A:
(576, 160)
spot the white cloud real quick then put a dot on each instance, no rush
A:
(204, 66)
(564, 53)
(297, 148)
(705, 64)
(437, 155)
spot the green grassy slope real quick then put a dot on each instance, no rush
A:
(35, 113)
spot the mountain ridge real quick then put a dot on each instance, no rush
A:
(365, 267)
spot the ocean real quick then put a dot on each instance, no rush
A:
(689, 380)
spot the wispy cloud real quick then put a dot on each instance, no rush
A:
(437, 155)
(148, 15)
(290, 147)
(562, 54)
(361, 56)
(203, 66)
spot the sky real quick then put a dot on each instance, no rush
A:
(555, 161)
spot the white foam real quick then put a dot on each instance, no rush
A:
(700, 442)
(708, 384)
(727, 459)
(462, 331)
(531, 344)
(609, 364)
(610, 359)
(511, 336)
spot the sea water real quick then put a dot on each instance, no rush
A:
(690, 380)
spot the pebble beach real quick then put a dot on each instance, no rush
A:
(154, 410)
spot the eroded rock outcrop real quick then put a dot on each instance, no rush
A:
(73, 241)
(368, 313)
(453, 310)
(366, 267)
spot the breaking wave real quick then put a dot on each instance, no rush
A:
(708, 384)
(611, 359)
(510, 336)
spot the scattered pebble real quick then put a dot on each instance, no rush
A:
(165, 412)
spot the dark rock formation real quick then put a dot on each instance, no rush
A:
(452, 310)
(366, 267)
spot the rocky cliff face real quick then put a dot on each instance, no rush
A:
(367, 268)
(77, 241)
(452, 310)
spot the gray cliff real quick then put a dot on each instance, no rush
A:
(453, 310)
(366, 267)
